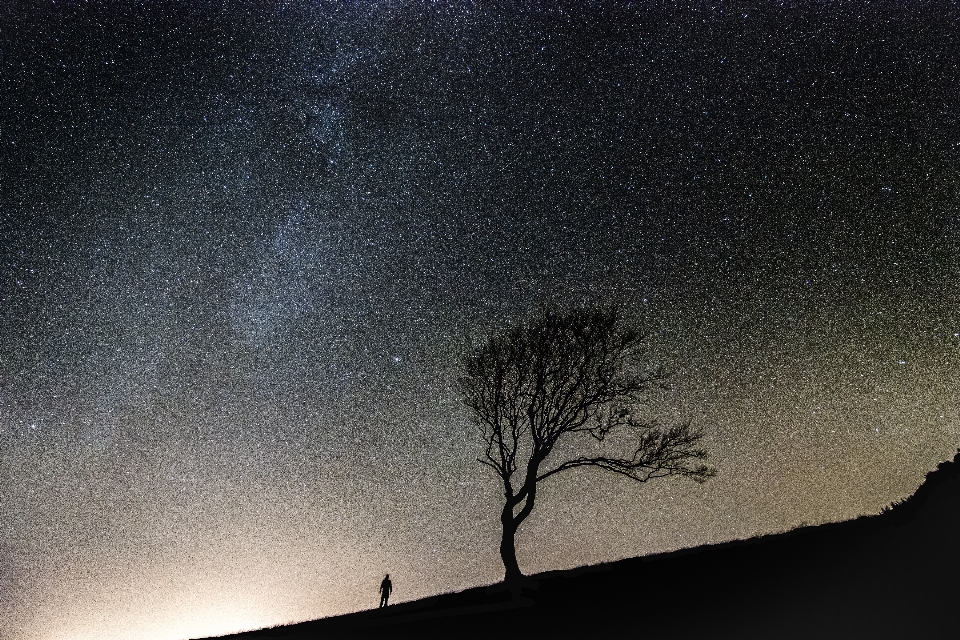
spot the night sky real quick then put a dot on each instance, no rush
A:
(243, 248)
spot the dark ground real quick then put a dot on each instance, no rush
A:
(893, 575)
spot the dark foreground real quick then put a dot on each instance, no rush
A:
(895, 575)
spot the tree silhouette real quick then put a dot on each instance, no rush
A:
(539, 389)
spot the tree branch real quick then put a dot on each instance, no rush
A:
(660, 453)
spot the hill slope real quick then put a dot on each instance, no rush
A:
(887, 576)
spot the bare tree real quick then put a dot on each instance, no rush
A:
(555, 381)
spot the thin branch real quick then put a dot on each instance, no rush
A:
(660, 453)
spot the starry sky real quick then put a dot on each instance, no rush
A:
(243, 246)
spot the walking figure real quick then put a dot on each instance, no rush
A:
(385, 588)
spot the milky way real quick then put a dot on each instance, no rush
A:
(243, 249)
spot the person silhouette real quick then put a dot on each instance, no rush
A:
(385, 588)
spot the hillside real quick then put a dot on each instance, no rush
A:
(891, 575)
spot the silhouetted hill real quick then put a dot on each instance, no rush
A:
(893, 575)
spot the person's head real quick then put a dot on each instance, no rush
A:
(388, 576)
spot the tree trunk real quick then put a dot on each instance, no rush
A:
(508, 550)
